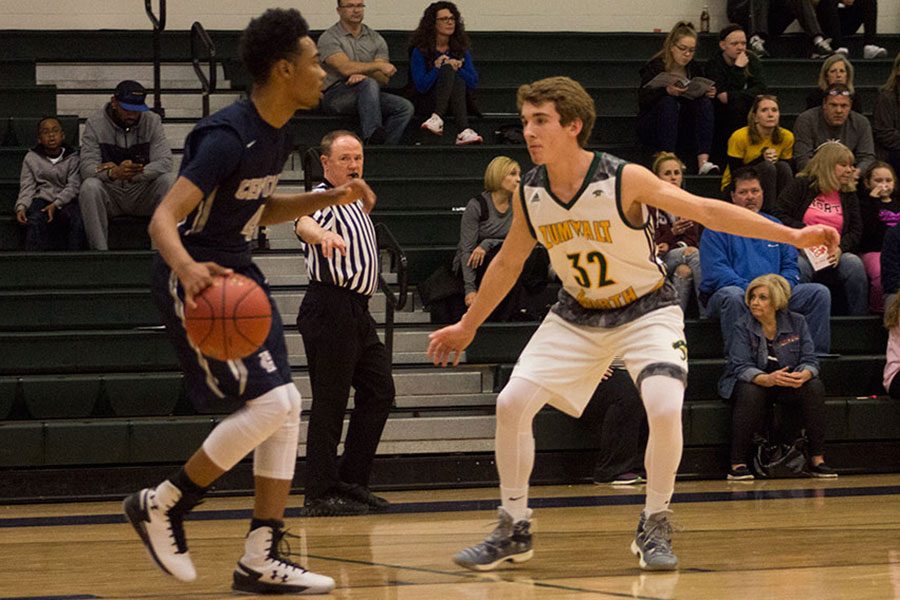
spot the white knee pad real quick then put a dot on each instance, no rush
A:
(276, 457)
(248, 427)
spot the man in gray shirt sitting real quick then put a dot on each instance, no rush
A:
(834, 120)
(355, 58)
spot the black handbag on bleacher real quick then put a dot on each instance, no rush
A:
(780, 461)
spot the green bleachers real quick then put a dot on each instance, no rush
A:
(17, 72)
(61, 270)
(32, 101)
(80, 386)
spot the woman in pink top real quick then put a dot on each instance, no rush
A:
(892, 322)
(825, 193)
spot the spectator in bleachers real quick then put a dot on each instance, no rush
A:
(842, 19)
(126, 162)
(664, 114)
(485, 224)
(892, 364)
(834, 121)
(739, 79)
(730, 262)
(772, 360)
(47, 205)
(890, 264)
(837, 68)
(357, 69)
(824, 192)
(442, 71)
(767, 19)
(886, 120)
(677, 239)
(615, 415)
(880, 210)
(764, 144)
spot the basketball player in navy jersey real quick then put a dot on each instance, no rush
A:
(202, 229)
(591, 212)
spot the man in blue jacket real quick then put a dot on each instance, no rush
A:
(730, 262)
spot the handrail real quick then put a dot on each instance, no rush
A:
(387, 241)
(159, 25)
(207, 85)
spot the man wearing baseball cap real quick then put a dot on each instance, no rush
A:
(126, 162)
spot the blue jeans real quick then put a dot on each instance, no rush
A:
(685, 285)
(812, 300)
(848, 278)
(659, 127)
(375, 108)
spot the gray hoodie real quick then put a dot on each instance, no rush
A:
(104, 140)
(40, 178)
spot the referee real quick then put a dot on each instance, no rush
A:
(341, 342)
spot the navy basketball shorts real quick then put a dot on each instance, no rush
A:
(214, 385)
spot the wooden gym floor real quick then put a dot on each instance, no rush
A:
(794, 539)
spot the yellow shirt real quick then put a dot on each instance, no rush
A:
(739, 146)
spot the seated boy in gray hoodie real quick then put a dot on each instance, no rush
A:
(47, 206)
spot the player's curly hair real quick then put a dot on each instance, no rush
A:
(271, 37)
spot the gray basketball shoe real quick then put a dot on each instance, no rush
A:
(509, 541)
(653, 542)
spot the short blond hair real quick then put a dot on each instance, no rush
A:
(496, 172)
(569, 98)
(820, 168)
(778, 286)
(660, 157)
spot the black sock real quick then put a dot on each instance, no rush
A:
(273, 523)
(187, 486)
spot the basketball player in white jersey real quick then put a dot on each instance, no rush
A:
(591, 212)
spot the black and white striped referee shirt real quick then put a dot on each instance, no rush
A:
(358, 270)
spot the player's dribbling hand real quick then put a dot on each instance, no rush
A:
(817, 235)
(448, 343)
(357, 189)
(196, 277)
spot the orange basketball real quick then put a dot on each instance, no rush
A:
(232, 318)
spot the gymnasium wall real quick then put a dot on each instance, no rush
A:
(492, 15)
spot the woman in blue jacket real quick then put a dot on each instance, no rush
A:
(771, 359)
(442, 70)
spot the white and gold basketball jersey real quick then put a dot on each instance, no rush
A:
(604, 263)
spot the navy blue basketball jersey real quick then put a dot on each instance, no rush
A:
(235, 158)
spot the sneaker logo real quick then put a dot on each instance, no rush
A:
(516, 498)
(535, 198)
(250, 145)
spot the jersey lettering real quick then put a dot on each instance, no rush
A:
(256, 188)
(564, 231)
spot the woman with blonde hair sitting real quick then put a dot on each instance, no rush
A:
(772, 359)
(824, 192)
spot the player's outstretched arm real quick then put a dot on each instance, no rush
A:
(640, 186)
(174, 208)
(287, 207)
(448, 343)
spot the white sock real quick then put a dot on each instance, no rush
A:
(663, 397)
(517, 405)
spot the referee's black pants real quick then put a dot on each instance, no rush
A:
(342, 349)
